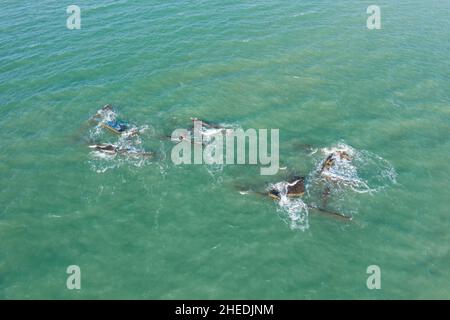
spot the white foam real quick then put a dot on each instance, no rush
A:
(366, 172)
(292, 210)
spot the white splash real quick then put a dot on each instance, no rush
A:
(364, 172)
(292, 210)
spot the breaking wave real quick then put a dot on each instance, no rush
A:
(365, 172)
(100, 162)
(131, 141)
(293, 211)
(335, 189)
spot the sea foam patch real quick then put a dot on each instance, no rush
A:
(365, 172)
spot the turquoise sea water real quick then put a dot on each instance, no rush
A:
(312, 69)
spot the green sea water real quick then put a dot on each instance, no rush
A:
(154, 230)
